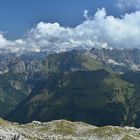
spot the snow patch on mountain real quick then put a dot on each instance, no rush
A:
(111, 61)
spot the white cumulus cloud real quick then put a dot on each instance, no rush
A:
(86, 14)
(100, 30)
(128, 4)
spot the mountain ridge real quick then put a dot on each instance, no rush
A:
(63, 129)
(35, 70)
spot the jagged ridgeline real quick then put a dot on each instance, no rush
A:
(72, 61)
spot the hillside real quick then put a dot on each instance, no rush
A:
(20, 74)
(95, 97)
(71, 61)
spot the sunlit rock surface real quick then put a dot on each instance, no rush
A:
(65, 130)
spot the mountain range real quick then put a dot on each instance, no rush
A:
(97, 86)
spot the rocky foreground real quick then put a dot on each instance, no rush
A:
(65, 130)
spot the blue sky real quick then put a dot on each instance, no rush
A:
(18, 16)
(63, 25)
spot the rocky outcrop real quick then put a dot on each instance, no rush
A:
(65, 130)
(120, 60)
(16, 85)
(19, 67)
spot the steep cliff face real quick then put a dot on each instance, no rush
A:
(15, 73)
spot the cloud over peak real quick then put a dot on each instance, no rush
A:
(99, 30)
